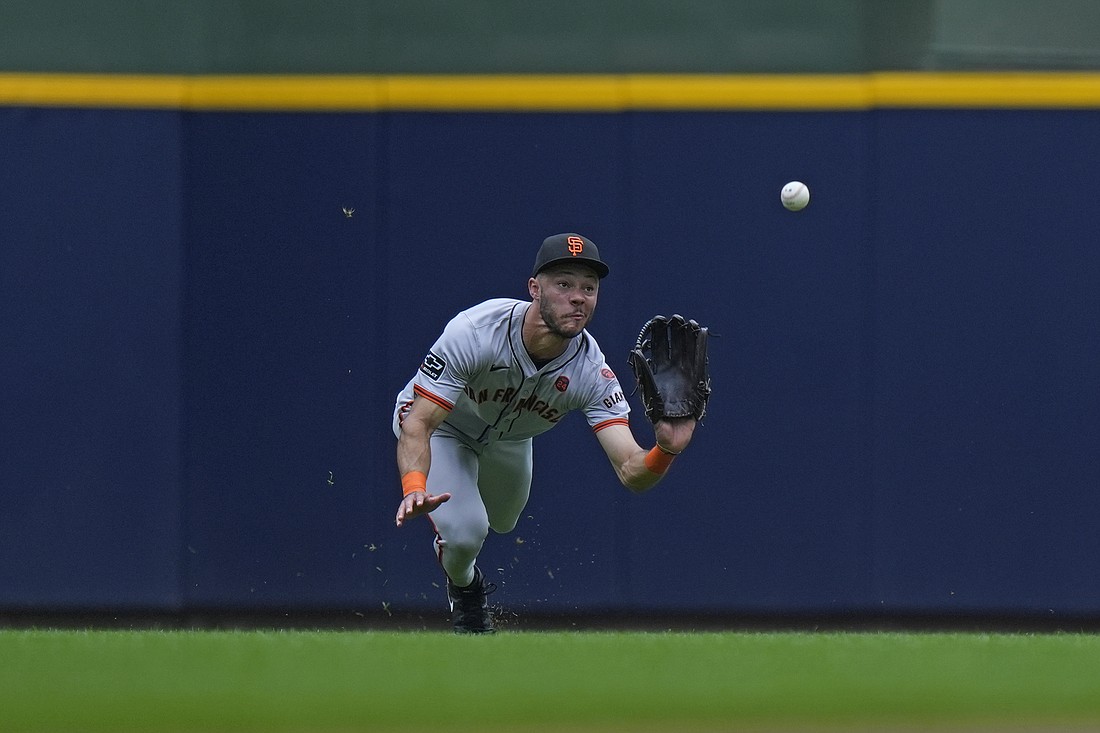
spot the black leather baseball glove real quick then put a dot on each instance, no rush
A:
(670, 363)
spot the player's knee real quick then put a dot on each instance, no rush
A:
(504, 526)
(467, 540)
(505, 518)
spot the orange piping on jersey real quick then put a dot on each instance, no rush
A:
(421, 392)
(438, 540)
(608, 423)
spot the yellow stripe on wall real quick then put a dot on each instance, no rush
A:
(1003, 90)
(564, 93)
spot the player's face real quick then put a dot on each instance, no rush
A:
(567, 298)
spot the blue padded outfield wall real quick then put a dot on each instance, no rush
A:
(201, 351)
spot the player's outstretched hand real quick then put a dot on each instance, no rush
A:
(418, 503)
(674, 433)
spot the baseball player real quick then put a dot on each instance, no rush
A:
(501, 373)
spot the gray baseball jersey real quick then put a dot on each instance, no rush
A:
(481, 373)
(497, 401)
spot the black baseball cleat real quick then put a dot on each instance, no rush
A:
(469, 608)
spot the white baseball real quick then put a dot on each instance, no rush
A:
(795, 195)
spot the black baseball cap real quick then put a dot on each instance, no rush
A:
(569, 247)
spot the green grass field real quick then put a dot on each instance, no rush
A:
(224, 681)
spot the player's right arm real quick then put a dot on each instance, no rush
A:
(414, 458)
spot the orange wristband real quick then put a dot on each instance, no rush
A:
(658, 461)
(413, 481)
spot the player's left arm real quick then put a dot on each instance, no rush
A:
(639, 468)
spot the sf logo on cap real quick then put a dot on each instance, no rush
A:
(576, 245)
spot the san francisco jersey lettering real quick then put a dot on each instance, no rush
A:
(480, 371)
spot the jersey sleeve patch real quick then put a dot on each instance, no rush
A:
(433, 366)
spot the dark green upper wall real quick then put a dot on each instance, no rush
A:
(550, 36)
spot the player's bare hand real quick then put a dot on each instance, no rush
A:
(674, 434)
(418, 503)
